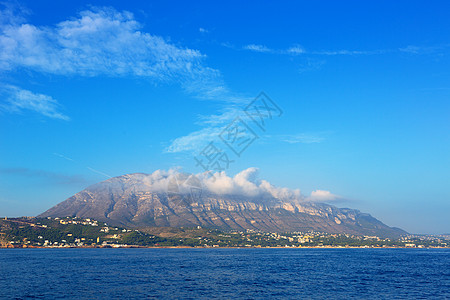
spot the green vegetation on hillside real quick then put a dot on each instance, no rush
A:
(77, 232)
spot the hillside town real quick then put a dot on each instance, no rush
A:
(73, 232)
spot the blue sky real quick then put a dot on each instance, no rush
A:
(92, 90)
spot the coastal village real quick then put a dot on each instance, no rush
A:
(73, 232)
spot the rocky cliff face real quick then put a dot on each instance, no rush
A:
(129, 201)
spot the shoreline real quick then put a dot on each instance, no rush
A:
(185, 247)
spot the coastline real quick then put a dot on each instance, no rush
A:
(186, 247)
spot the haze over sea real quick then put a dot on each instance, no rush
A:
(225, 273)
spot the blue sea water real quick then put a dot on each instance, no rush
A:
(225, 273)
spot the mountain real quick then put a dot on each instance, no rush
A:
(134, 200)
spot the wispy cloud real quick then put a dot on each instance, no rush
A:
(87, 167)
(194, 141)
(101, 41)
(52, 177)
(12, 13)
(17, 100)
(411, 49)
(300, 50)
(257, 48)
(311, 64)
(104, 42)
(414, 49)
(63, 156)
(212, 126)
(303, 138)
(295, 50)
(349, 52)
(99, 172)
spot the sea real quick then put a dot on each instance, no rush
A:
(225, 273)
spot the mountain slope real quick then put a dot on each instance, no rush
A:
(129, 200)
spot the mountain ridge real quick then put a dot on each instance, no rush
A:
(133, 200)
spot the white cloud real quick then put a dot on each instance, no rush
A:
(246, 183)
(310, 64)
(194, 141)
(18, 100)
(106, 42)
(159, 180)
(301, 138)
(411, 49)
(98, 42)
(12, 13)
(213, 126)
(296, 50)
(349, 52)
(322, 196)
(257, 48)
(226, 115)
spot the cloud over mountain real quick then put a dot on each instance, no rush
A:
(245, 183)
(214, 201)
